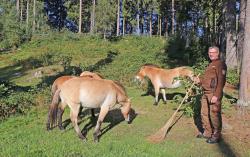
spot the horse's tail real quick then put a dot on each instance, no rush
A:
(53, 89)
(53, 108)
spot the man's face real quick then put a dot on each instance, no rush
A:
(213, 54)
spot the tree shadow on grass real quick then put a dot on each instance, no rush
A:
(169, 96)
(226, 149)
(75, 70)
(21, 67)
(230, 98)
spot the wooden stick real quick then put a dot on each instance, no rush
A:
(161, 134)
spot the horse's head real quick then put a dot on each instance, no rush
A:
(125, 109)
(140, 74)
(185, 72)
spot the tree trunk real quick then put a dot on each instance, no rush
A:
(80, 18)
(21, 10)
(123, 26)
(17, 8)
(92, 21)
(118, 18)
(104, 34)
(160, 25)
(150, 25)
(173, 12)
(166, 27)
(244, 93)
(27, 15)
(213, 23)
(231, 58)
(240, 37)
(34, 16)
(138, 18)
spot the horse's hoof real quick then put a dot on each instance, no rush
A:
(48, 128)
(61, 128)
(96, 139)
(155, 104)
(85, 139)
(96, 136)
(164, 102)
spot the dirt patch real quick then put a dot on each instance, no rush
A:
(236, 121)
(236, 124)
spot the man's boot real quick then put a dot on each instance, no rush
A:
(215, 138)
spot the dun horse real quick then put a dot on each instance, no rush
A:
(60, 80)
(90, 93)
(163, 78)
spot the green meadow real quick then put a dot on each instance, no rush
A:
(31, 69)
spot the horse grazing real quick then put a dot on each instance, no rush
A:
(162, 78)
(60, 80)
(90, 93)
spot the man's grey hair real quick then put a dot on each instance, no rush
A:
(214, 47)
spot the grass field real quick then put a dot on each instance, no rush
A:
(26, 135)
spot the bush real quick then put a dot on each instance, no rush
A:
(233, 77)
(18, 102)
(200, 66)
(3, 90)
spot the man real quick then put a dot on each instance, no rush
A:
(212, 83)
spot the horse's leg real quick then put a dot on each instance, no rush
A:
(157, 89)
(92, 112)
(102, 114)
(164, 96)
(60, 114)
(73, 116)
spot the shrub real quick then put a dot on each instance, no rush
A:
(3, 90)
(18, 102)
(233, 77)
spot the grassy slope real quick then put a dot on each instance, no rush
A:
(132, 52)
(26, 135)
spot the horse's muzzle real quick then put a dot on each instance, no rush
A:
(128, 119)
(138, 80)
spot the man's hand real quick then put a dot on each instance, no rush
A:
(214, 99)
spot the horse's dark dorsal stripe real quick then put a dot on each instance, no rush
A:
(100, 75)
(151, 65)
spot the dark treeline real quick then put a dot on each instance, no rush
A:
(193, 24)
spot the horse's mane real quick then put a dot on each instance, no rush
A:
(151, 65)
(121, 86)
(99, 75)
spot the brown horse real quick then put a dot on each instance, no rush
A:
(60, 80)
(90, 93)
(162, 78)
